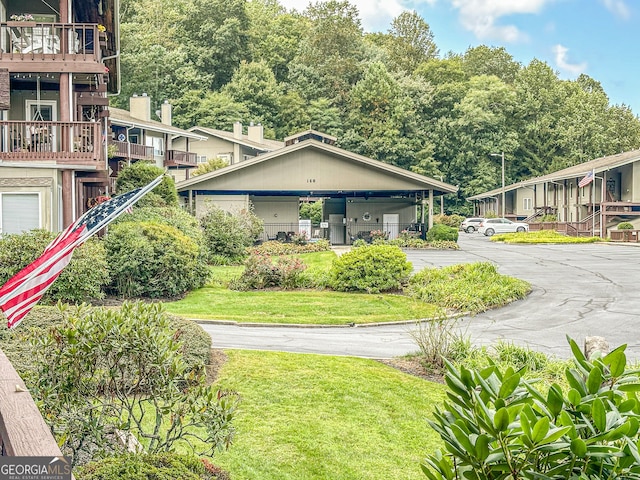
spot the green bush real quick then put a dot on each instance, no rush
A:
(625, 226)
(449, 220)
(260, 272)
(227, 235)
(195, 342)
(311, 211)
(102, 369)
(549, 218)
(153, 260)
(273, 247)
(142, 173)
(473, 287)
(440, 232)
(370, 268)
(496, 425)
(161, 466)
(83, 279)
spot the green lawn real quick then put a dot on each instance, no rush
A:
(306, 417)
(301, 307)
(217, 302)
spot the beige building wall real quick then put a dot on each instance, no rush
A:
(229, 203)
(278, 210)
(359, 209)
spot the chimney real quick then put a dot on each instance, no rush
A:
(165, 113)
(140, 107)
(255, 133)
(237, 130)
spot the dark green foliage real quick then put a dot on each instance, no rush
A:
(311, 211)
(227, 235)
(102, 369)
(370, 268)
(625, 226)
(153, 260)
(441, 232)
(497, 425)
(261, 271)
(142, 173)
(471, 287)
(195, 342)
(160, 466)
(82, 280)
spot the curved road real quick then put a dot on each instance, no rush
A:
(579, 290)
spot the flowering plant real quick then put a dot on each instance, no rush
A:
(23, 17)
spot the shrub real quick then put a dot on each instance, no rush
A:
(311, 211)
(227, 235)
(439, 339)
(273, 247)
(102, 369)
(497, 425)
(625, 226)
(471, 287)
(195, 342)
(83, 279)
(160, 466)
(142, 173)
(549, 217)
(370, 268)
(442, 232)
(260, 272)
(153, 260)
(448, 220)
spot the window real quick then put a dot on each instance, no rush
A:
(583, 191)
(19, 212)
(201, 158)
(526, 204)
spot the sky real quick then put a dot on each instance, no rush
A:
(600, 38)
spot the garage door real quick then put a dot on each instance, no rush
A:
(19, 212)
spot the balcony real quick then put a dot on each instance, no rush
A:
(133, 151)
(76, 143)
(179, 158)
(51, 47)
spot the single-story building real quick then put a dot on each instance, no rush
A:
(359, 194)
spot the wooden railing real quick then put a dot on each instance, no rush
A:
(50, 141)
(133, 151)
(23, 431)
(177, 158)
(50, 41)
(624, 235)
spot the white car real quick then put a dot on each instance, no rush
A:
(491, 226)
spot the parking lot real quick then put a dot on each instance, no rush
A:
(577, 290)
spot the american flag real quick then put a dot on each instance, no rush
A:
(20, 294)
(588, 178)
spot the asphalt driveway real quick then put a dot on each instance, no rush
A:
(578, 290)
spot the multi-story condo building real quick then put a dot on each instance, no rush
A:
(58, 65)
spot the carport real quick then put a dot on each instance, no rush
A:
(359, 194)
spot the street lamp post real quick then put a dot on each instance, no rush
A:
(501, 155)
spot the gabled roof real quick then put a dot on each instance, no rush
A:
(598, 165)
(266, 146)
(117, 116)
(419, 182)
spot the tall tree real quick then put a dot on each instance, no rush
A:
(411, 41)
(483, 60)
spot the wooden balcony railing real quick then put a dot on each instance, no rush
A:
(23, 431)
(179, 158)
(47, 42)
(73, 142)
(133, 151)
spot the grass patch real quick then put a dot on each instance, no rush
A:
(542, 236)
(302, 307)
(307, 417)
(472, 287)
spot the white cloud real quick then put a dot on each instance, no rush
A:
(560, 52)
(376, 15)
(618, 8)
(481, 17)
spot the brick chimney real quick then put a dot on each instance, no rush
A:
(165, 113)
(237, 130)
(140, 107)
(255, 133)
